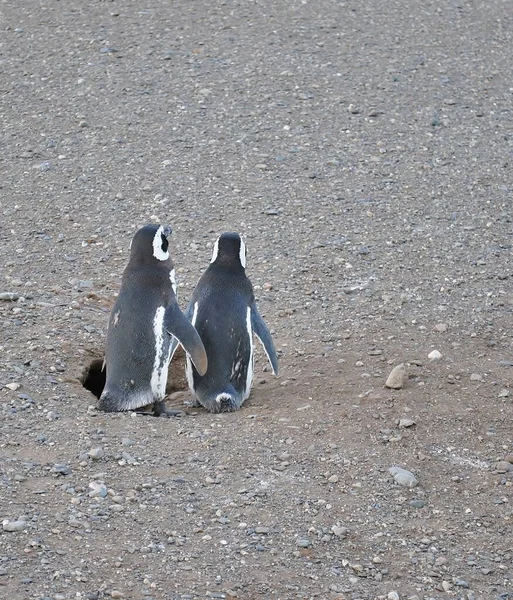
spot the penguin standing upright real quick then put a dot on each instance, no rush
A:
(224, 313)
(143, 325)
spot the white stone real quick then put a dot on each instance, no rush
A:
(404, 477)
(435, 355)
(396, 378)
(13, 525)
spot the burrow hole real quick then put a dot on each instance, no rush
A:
(93, 375)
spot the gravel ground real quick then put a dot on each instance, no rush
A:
(364, 151)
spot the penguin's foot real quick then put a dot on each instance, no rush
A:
(160, 410)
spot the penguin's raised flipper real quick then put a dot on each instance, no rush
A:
(264, 335)
(178, 326)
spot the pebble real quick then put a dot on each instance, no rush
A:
(98, 489)
(404, 477)
(476, 377)
(406, 422)
(61, 469)
(461, 583)
(339, 531)
(504, 466)
(395, 380)
(417, 503)
(19, 525)
(435, 355)
(304, 543)
(333, 479)
(393, 596)
(13, 386)
(116, 594)
(262, 530)
(441, 327)
(96, 453)
(9, 296)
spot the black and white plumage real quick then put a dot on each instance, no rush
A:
(224, 313)
(144, 325)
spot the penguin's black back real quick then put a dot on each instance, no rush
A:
(223, 296)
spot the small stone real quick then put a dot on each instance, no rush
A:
(13, 386)
(461, 583)
(9, 296)
(333, 479)
(404, 477)
(96, 453)
(262, 530)
(406, 422)
(393, 596)
(476, 377)
(417, 503)
(441, 327)
(504, 393)
(116, 594)
(12, 526)
(395, 380)
(509, 458)
(504, 466)
(303, 543)
(61, 469)
(435, 355)
(339, 531)
(446, 586)
(98, 489)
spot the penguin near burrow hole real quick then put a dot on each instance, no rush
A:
(145, 326)
(224, 313)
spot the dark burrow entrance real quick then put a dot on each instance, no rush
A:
(93, 375)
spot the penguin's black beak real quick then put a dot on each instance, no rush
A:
(166, 230)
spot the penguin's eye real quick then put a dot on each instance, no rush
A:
(165, 243)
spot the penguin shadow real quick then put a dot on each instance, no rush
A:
(94, 375)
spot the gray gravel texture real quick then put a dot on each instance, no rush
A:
(364, 151)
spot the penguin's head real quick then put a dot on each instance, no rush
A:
(151, 242)
(229, 251)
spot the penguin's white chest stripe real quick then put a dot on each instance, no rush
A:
(159, 373)
(249, 375)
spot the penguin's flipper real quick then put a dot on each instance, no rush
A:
(179, 327)
(264, 335)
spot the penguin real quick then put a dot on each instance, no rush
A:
(224, 313)
(145, 326)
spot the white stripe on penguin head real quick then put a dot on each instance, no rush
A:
(215, 251)
(158, 253)
(242, 253)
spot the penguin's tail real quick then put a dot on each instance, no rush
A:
(226, 401)
(115, 400)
